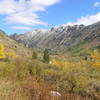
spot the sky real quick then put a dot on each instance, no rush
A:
(20, 16)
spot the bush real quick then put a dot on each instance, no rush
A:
(34, 55)
(2, 51)
(46, 56)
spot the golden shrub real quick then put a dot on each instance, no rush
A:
(96, 59)
(12, 54)
(2, 51)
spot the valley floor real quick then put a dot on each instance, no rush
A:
(24, 79)
(64, 78)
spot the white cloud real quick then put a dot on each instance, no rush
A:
(97, 4)
(24, 12)
(44, 2)
(86, 20)
(23, 18)
(21, 27)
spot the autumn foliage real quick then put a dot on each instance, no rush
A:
(2, 51)
(4, 54)
(33, 79)
(96, 59)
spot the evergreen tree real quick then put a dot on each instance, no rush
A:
(34, 55)
(46, 56)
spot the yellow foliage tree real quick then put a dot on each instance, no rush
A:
(96, 58)
(2, 51)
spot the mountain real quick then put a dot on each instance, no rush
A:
(63, 37)
(12, 45)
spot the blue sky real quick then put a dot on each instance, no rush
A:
(19, 16)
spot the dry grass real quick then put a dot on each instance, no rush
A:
(31, 89)
(27, 79)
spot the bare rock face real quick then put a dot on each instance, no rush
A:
(61, 37)
(55, 93)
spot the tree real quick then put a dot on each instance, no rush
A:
(2, 51)
(34, 55)
(46, 56)
(96, 58)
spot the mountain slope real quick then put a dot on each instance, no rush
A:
(62, 37)
(12, 45)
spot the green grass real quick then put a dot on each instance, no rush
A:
(75, 50)
(95, 47)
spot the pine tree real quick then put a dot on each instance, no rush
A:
(2, 51)
(34, 55)
(46, 56)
